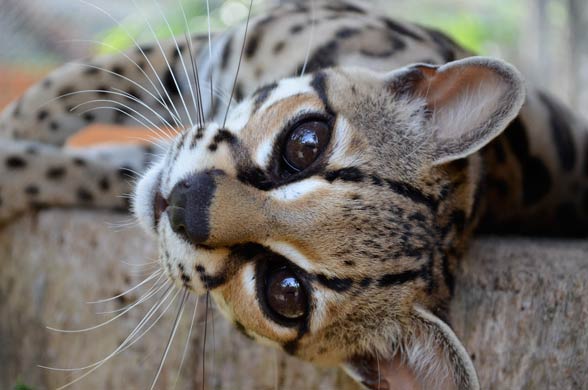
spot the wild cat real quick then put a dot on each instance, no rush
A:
(326, 202)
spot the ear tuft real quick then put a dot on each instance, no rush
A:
(470, 102)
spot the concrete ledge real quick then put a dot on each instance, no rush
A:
(521, 307)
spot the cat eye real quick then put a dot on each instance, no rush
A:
(285, 294)
(305, 143)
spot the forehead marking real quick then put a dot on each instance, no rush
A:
(287, 88)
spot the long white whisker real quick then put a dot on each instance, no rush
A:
(138, 327)
(107, 321)
(210, 51)
(171, 337)
(116, 351)
(187, 343)
(199, 107)
(152, 127)
(169, 67)
(239, 64)
(150, 292)
(182, 62)
(119, 24)
(150, 277)
(310, 40)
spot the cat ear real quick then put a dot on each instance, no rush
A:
(469, 102)
(430, 357)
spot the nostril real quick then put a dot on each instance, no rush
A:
(159, 206)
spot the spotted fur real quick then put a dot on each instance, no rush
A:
(420, 157)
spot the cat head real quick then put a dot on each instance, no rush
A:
(327, 214)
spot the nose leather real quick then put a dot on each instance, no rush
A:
(189, 204)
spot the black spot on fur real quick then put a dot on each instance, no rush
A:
(125, 173)
(90, 70)
(561, 132)
(349, 263)
(365, 282)
(297, 28)
(88, 117)
(226, 53)
(344, 7)
(347, 32)
(66, 92)
(84, 195)
(32, 190)
(104, 184)
(252, 44)
(47, 83)
(535, 175)
(15, 162)
(42, 115)
(239, 95)
(117, 69)
(445, 46)
(278, 47)
(78, 161)
(399, 29)
(53, 126)
(323, 57)
(169, 84)
(55, 173)
(336, 284)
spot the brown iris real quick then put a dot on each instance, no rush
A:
(305, 143)
(285, 294)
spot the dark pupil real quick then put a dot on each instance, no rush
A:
(285, 295)
(305, 143)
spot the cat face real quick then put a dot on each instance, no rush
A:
(326, 215)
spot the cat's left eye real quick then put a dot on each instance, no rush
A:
(305, 143)
(285, 294)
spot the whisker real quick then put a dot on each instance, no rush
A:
(99, 364)
(204, 341)
(239, 64)
(199, 107)
(310, 40)
(169, 67)
(142, 298)
(181, 60)
(120, 25)
(187, 343)
(107, 321)
(210, 52)
(171, 337)
(153, 275)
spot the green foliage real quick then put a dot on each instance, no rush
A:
(21, 386)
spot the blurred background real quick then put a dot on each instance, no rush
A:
(546, 39)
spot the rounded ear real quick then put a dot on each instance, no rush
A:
(469, 102)
(431, 357)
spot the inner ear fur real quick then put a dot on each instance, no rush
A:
(468, 102)
(430, 356)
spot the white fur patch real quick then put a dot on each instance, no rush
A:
(298, 189)
(287, 88)
(291, 253)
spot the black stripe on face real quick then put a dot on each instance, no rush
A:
(262, 94)
(319, 84)
(333, 283)
(396, 279)
(561, 133)
(169, 84)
